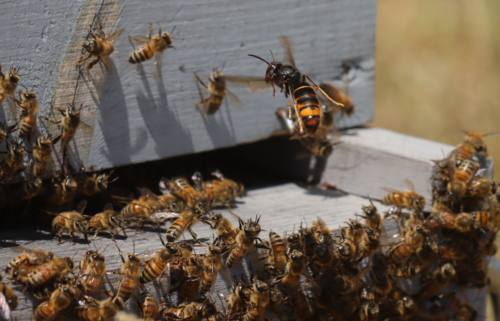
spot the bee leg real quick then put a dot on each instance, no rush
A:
(71, 236)
(123, 229)
(193, 234)
(60, 236)
(321, 90)
(151, 30)
(81, 61)
(299, 119)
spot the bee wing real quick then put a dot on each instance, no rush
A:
(388, 189)
(285, 43)
(12, 108)
(166, 282)
(108, 207)
(235, 101)
(115, 35)
(213, 277)
(86, 128)
(161, 217)
(158, 65)
(226, 276)
(107, 63)
(147, 192)
(51, 167)
(81, 206)
(408, 185)
(146, 256)
(4, 307)
(481, 173)
(127, 316)
(140, 40)
(253, 84)
(19, 249)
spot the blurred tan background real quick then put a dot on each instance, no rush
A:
(438, 69)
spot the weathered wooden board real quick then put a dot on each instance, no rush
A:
(366, 160)
(281, 208)
(138, 119)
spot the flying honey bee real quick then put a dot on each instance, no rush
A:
(184, 222)
(54, 269)
(217, 88)
(405, 199)
(72, 222)
(293, 83)
(70, 122)
(12, 163)
(62, 191)
(153, 46)
(100, 310)
(95, 183)
(156, 265)
(28, 109)
(100, 47)
(108, 220)
(247, 233)
(130, 272)
(8, 85)
(42, 156)
(60, 299)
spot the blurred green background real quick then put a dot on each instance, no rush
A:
(438, 69)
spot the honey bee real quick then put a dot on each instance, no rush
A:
(180, 187)
(322, 259)
(247, 233)
(163, 202)
(88, 257)
(12, 162)
(288, 78)
(254, 312)
(70, 122)
(60, 299)
(476, 139)
(30, 188)
(42, 155)
(63, 191)
(301, 307)
(9, 296)
(100, 47)
(407, 270)
(54, 269)
(190, 288)
(240, 295)
(95, 183)
(337, 95)
(191, 311)
(108, 220)
(212, 263)
(217, 88)
(71, 222)
(344, 284)
(184, 222)
(278, 250)
(31, 257)
(130, 272)
(369, 243)
(462, 152)
(405, 199)
(462, 222)
(294, 268)
(95, 271)
(237, 189)
(137, 210)
(402, 250)
(8, 85)
(441, 277)
(219, 194)
(153, 46)
(479, 187)
(100, 310)
(223, 227)
(28, 109)
(346, 249)
(148, 306)
(460, 176)
(373, 219)
(156, 265)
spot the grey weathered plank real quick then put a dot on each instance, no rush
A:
(139, 119)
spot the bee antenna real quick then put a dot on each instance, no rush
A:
(23, 86)
(171, 32)
(259, 58)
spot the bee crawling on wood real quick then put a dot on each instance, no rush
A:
(100, 47)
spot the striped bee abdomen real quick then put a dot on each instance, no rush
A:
(308, 105)
(142, 54)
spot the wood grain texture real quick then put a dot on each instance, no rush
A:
(281, 208)
(139, 119)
